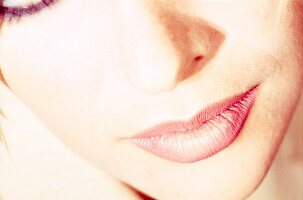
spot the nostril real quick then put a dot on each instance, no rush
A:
(198, 58)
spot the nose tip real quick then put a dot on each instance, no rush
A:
(154, 71)
(163, 47)
(159, 73)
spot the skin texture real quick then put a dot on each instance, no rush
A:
(111, 69)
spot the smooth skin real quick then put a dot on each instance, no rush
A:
(97, 72)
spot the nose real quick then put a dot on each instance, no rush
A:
(162, 47)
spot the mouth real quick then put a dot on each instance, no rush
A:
(205, 134)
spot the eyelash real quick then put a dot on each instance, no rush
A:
(17, 12)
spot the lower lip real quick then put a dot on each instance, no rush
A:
(205, 134)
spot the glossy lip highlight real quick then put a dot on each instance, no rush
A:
(205, 134)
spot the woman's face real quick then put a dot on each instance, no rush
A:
(99, 72)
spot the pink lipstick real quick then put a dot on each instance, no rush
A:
(205, 134)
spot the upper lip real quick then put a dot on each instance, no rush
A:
(154, 138)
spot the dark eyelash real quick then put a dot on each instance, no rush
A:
(19, 11)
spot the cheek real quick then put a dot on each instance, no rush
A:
(47, 67)
(55, 75)
(57, 49)
(56, 78)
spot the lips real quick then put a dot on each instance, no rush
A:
(205, 134)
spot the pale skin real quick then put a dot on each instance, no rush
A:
(110, 69)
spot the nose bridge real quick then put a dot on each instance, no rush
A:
(151, 59)
(160, 46)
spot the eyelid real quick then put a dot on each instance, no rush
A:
(14, 12)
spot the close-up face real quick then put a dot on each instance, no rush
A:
(184, 99)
